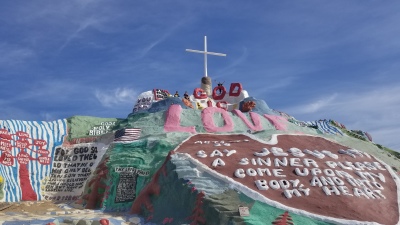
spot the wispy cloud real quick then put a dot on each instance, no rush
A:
(374, 111)
(118, 96)
(51, 90)
(87, 23)
(11, 112)
(232, 67)
(271, 85)
(48, 116)
(12, 55)
(164, 36)
(317, 105)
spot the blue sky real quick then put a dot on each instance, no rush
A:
(311, 59)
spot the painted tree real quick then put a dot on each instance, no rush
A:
(284, 219)
(20, 143)
(97, 186)
(197, 216)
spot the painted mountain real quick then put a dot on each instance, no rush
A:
(216, 156)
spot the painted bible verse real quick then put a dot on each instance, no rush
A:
(305, 172)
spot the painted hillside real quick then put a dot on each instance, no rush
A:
(214, 156)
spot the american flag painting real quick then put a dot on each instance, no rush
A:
(127, 134)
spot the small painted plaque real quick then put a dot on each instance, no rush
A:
(244, 211)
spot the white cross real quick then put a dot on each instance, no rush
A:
(205, 54)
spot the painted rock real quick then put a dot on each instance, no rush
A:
(308, 173)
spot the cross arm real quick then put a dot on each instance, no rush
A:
(203, 52)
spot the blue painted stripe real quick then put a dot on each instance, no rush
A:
(52, 132)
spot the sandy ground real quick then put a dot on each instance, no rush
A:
(42, 212)
(40, 207)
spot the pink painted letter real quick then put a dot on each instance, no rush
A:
(278, 121)
(208, 120)
(254, 116)
(173, 121)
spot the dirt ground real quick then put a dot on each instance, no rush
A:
(39, 207)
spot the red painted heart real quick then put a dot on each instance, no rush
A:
(23, 158)
(7, 159)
